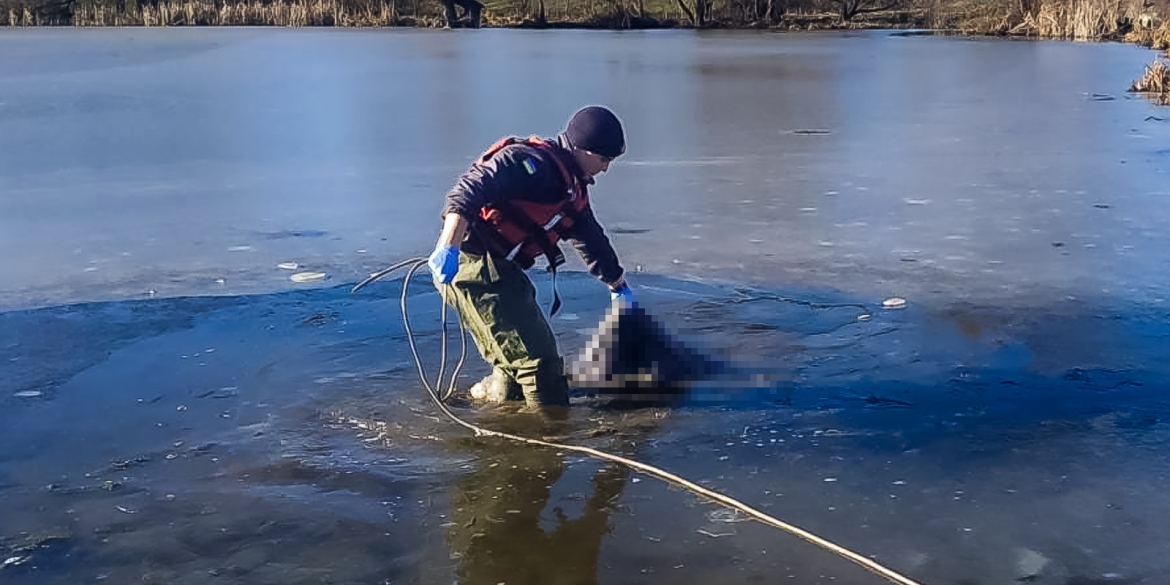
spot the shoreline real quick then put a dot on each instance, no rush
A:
(1092, 20)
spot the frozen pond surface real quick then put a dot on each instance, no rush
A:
(176, 410)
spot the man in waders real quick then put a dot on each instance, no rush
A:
(513, 205)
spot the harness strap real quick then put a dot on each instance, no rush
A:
(537, 233)
(556, 304)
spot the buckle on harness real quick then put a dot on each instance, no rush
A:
(553, 222)
(512, 255)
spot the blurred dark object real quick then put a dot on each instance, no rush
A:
(633, 355)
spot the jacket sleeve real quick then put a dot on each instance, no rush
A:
(510, 171)
(590, 241)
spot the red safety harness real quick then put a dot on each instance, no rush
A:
(521, 231)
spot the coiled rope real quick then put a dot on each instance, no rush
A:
(414, 264)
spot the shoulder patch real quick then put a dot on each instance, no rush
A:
(530, 165)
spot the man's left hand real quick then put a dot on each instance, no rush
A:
(624, 294)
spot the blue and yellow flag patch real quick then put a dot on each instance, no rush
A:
(530, 166)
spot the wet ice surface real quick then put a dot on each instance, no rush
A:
(285, 438)
(176, 407)
(162, 162)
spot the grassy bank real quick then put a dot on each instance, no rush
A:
(1064, 19)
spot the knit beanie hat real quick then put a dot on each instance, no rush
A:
(597, 130)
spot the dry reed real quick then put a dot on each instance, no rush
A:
(1065, 19)
(24, 17)
(1157, 38)
(343, 13)
(1083, 19)
(294, 13)
(1055, 19)
(1155, 83)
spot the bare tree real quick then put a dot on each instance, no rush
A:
(697, 15)
(847, 9)
(773, 10)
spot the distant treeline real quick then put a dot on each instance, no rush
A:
(1133, 20)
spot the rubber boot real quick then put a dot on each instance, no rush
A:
(497, 387)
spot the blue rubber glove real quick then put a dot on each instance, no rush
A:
(624, 294)
(444, 263)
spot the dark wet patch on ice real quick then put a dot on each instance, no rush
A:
(788, 348)
(41, 349)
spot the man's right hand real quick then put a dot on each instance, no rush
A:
(444, 263)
